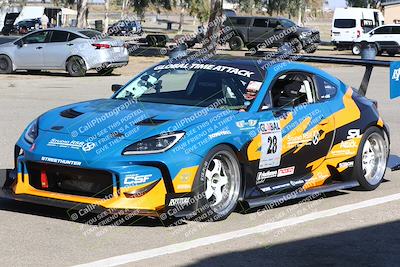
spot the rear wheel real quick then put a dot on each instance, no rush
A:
(236, 43)
(219, 183)
(356, 49)
(371, 160)
(5, 65)
(76, 67)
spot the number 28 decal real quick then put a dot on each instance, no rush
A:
(271, 144)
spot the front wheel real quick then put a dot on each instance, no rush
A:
(219, 184)
(371, 160)
(5, 65)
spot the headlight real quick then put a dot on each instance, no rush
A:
(32, 132)
(156, 144)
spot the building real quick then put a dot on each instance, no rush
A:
(391, 10)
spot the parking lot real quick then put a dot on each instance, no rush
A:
(340, 228)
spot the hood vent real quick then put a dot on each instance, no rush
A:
(70, 113)
(151, 122)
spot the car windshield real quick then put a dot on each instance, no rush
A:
(196, 85)
(288, 23)
(91, 33)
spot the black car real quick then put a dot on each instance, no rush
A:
(265, 32)
(125, 27)
(26, 26)
(9, 23)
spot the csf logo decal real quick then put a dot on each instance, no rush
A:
(135, 179)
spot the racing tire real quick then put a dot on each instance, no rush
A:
(371, 160)
(105, 71)
(76, 67)
(296, 45)
(218, 184)
(6, 66)
(236, 43)
(356, 49)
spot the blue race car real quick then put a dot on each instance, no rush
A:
(188, 138)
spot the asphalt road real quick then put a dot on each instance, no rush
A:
(344, 228)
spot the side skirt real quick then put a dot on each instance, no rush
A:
(261, 201)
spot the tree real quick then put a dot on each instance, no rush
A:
(214, 27)
(82, 10)
(362, 3)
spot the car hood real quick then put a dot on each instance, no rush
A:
(110, 116)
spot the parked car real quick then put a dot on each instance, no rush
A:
(9, 23)
(348, 24)
(26, 26)
(264, 32)
(125, 27)
(71, 49)
(386, 39)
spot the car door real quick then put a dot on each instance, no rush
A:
(259, 30)
(296, 129)
(57, 50)
(29, 54)
(381, 36)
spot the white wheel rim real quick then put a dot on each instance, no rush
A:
(222, 182)
(374, 158)
(356, 50)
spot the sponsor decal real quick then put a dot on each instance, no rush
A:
(283, 186)
(286, 171)
(184, 186)
(183, 201)
(134, 179)
(211, 67)
(246, 125)
(86, 147)
(62, 161)
(396, 75)
(254, 86)
(221, 133)
(348, 144)
(305, 139)
(271, 144)
(353, 133)
(262, 176)
(348, 164)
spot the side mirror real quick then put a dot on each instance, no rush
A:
(19, 43)
(115, 87)
(279, 28)
(371, 33)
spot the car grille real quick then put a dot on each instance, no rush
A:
(70, 180)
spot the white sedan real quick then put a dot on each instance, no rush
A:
(71, 49)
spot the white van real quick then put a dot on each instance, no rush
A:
(348, 24)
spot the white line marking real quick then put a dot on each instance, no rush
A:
(179, 247)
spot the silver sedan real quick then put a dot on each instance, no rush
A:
(71, 49)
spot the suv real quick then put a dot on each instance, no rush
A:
(265, 32)
(386, 39)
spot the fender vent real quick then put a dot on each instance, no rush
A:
(70, 113)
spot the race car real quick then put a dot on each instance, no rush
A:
(187, 138)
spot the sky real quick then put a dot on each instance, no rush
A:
(337, 3)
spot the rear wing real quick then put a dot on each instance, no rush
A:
(367, 63)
